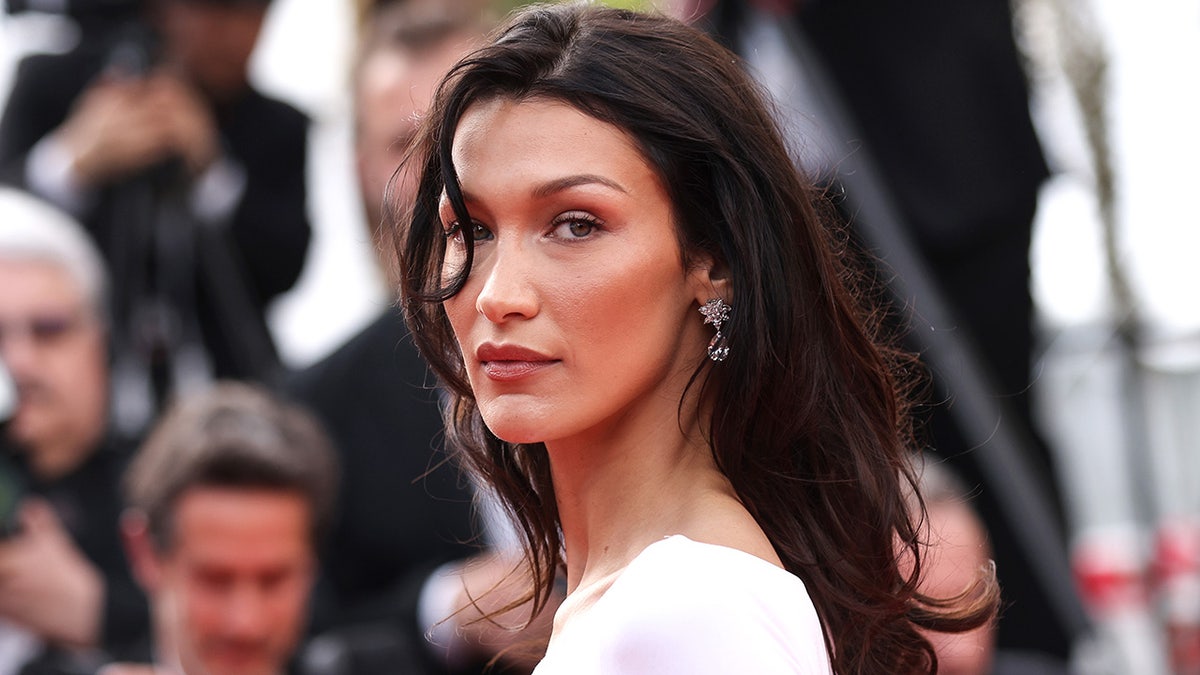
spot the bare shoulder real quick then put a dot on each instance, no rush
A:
(722, 520)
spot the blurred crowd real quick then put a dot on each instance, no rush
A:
(173, 493)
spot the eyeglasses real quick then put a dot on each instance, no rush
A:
(41, 331)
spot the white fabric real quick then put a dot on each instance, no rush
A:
(686, 607)
(17, 647)
(217, 191)
(50, 173)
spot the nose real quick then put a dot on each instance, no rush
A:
(247, 615)
(509, 288)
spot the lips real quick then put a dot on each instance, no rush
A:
(506, 363)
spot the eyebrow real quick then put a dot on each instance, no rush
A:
(566, 182)
(557, 185)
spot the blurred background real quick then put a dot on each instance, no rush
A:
(1115, 99)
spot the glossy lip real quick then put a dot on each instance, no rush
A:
(506, 363)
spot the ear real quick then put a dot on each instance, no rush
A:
(143, 555)
(710, 279)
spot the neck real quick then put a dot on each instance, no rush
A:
(630, 484)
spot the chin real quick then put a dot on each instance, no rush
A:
(226, 664)
(514, 431)
(241, 668)
(515, 427)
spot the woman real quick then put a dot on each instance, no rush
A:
(725, 487)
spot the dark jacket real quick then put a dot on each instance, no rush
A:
(404, 509)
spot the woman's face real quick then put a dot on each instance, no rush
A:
(579, 313)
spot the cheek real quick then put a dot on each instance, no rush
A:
(292, 593)
(632, 307)
(92, 360)
(460, 309)
(190, 615)
(82, 375)
(200, 610)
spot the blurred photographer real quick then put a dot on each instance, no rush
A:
(64, 581)
(191, 182)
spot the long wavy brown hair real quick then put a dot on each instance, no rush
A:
(810, 422)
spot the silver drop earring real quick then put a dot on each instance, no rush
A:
(716, 312)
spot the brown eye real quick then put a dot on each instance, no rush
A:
(580, 228)
(575, 225)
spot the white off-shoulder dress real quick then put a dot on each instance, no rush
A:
(685, 607)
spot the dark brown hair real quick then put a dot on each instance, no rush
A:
(809, 421)
(231, 436)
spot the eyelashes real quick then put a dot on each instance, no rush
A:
(570, 225)
(479, 231)
(575, 225)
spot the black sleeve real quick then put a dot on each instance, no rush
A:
(126, 615)
(43, 90)
(89, 503)
(402, 509)
(270, 226)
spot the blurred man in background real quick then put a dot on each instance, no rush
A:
(227, 501)
(63, 577)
